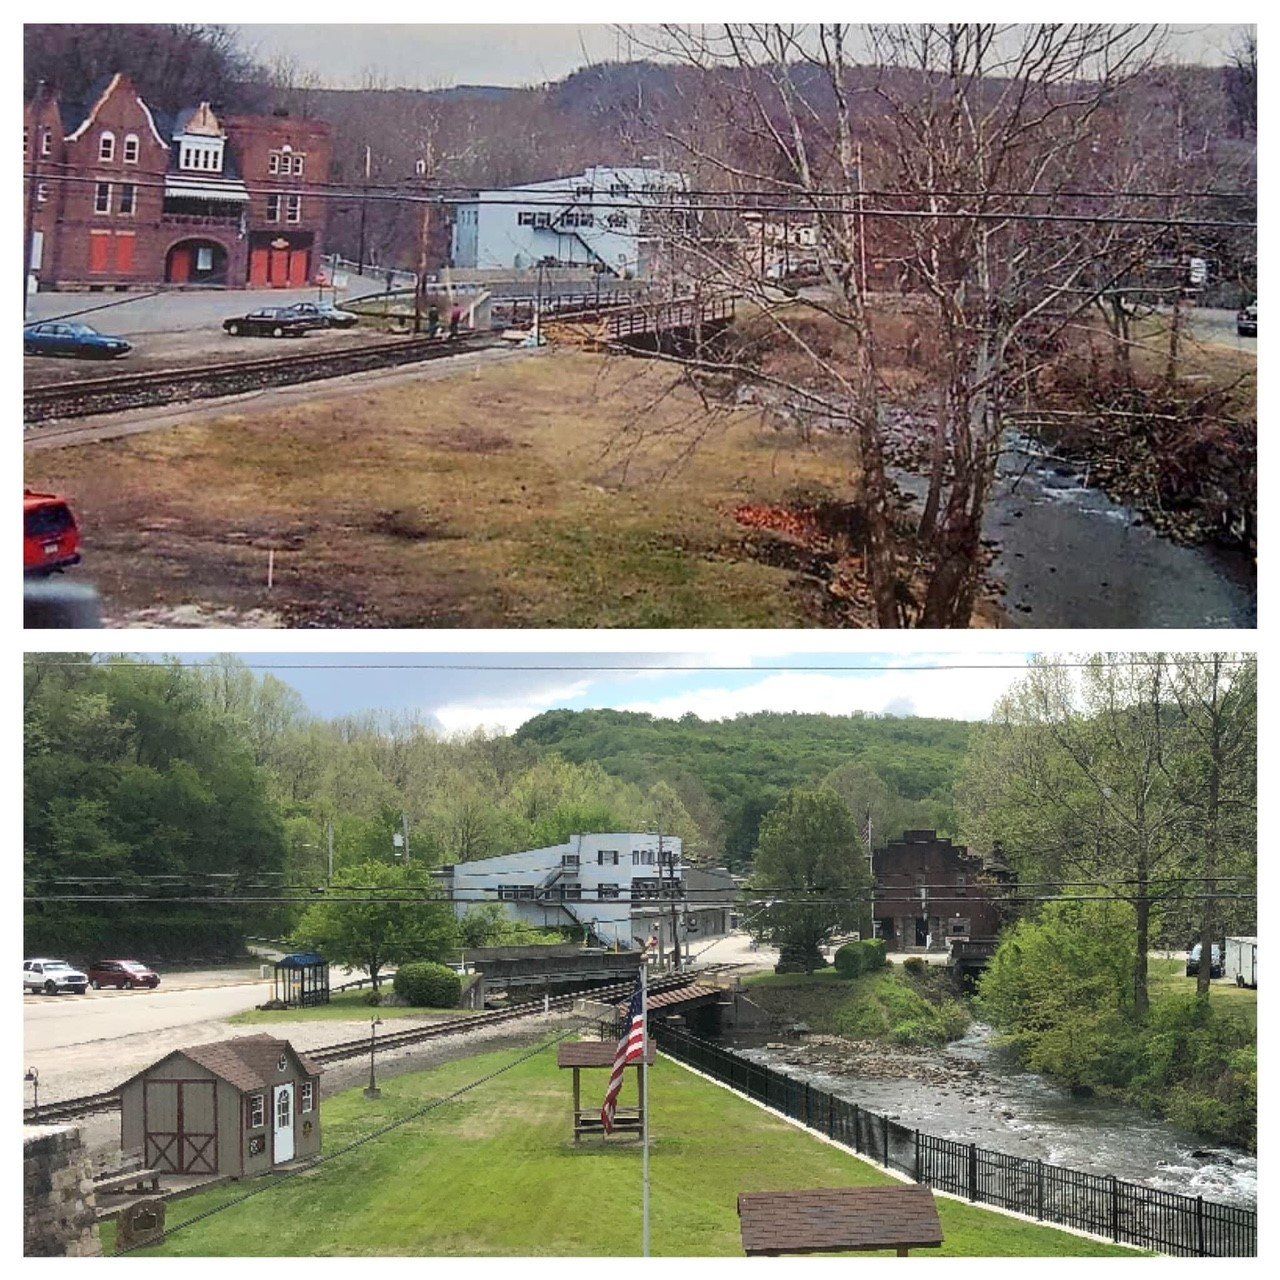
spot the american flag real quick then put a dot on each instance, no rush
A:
(630, 1049)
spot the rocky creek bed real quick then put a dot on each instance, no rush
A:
(972, 1091)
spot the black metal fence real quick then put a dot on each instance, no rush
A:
(1162, 1221)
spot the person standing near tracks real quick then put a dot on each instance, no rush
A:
(433, 321)
(455, 319)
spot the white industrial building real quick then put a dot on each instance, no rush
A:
(618, 886)
(603, 218)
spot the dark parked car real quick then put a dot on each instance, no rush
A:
(324, 315)
(1247, 321)
(121, 973)
(268, 322)
(70, 338)
(1215, 962)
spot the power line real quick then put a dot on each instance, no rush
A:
(843, 203)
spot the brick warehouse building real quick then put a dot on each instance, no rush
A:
(930, 891)
(117, 196)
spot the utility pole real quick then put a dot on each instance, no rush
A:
(364, 205)
(424, 243)
(643, 1071)
(675, 928)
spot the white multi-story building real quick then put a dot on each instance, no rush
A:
(604, 217)
(618, 886)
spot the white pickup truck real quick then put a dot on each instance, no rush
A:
(53, 977)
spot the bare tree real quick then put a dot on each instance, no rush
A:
(983, 133)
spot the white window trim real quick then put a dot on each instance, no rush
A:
(273, 206)
(97, 191)
(131, 138)
(306, 1096)
(132, 189)
(258, 1111)
(293, 208)
(106, 146)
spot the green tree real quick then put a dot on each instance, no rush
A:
(811, 875)
(376, 915)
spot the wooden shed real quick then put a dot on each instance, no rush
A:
(238, 1107)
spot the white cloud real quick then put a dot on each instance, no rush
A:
(506, 713)
(960, 695)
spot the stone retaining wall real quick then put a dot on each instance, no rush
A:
(58, 1204)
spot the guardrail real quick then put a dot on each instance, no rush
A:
(1125, 1212)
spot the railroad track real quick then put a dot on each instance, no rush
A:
(115, 394)
(92, 1103)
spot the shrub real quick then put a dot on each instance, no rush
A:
(856, 958)
(428, 985)
(848, 960)
(914, 966)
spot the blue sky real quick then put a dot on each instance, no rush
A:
(501, 691)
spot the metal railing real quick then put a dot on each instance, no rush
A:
(1125, 1212)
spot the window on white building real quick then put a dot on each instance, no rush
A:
(569, 860)
(524, 218)
(606, 857)
(618, 221)
(571, 892)
(541, 219)
(131, 148)
(608, 891)
(106, 145)
(102, 198)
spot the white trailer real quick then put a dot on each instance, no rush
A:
(1241, 961)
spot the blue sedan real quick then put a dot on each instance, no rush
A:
(69, 338)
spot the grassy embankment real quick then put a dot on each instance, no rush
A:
(346, 1006)
(891, 1004)
(561, 490)
(497, 1173)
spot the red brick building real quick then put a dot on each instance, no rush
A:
(117, 196)
(929, 891)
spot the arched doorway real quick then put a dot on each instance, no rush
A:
(196, 262)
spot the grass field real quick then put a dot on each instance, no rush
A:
(346, 1006)
(1169, 977)
(563, 490)
(496, 1173)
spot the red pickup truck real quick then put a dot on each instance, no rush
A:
(51, 536)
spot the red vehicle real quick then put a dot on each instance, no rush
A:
(51, 536)
(121, 973)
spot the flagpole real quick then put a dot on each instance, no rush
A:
(644, 1088)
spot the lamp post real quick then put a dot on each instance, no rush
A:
(33, 1079)
(373, 1091)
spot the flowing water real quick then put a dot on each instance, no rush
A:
(1005, 1108)
(1071, 557)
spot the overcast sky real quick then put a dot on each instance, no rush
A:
(436, 56)
(459, 700)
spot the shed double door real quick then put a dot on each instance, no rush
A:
(181, 1125)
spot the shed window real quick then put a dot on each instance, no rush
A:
(257, 1110)
(307, 1095)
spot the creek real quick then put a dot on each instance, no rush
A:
(972, 1091)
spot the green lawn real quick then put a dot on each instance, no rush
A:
(497, 1173)
(346, 1006)
(1169, 977)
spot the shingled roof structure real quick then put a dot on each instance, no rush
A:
(593, 1053)
(840, 1220)
(247, 1062)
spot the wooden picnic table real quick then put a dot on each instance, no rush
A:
(578, 1055)
(139, 1180)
